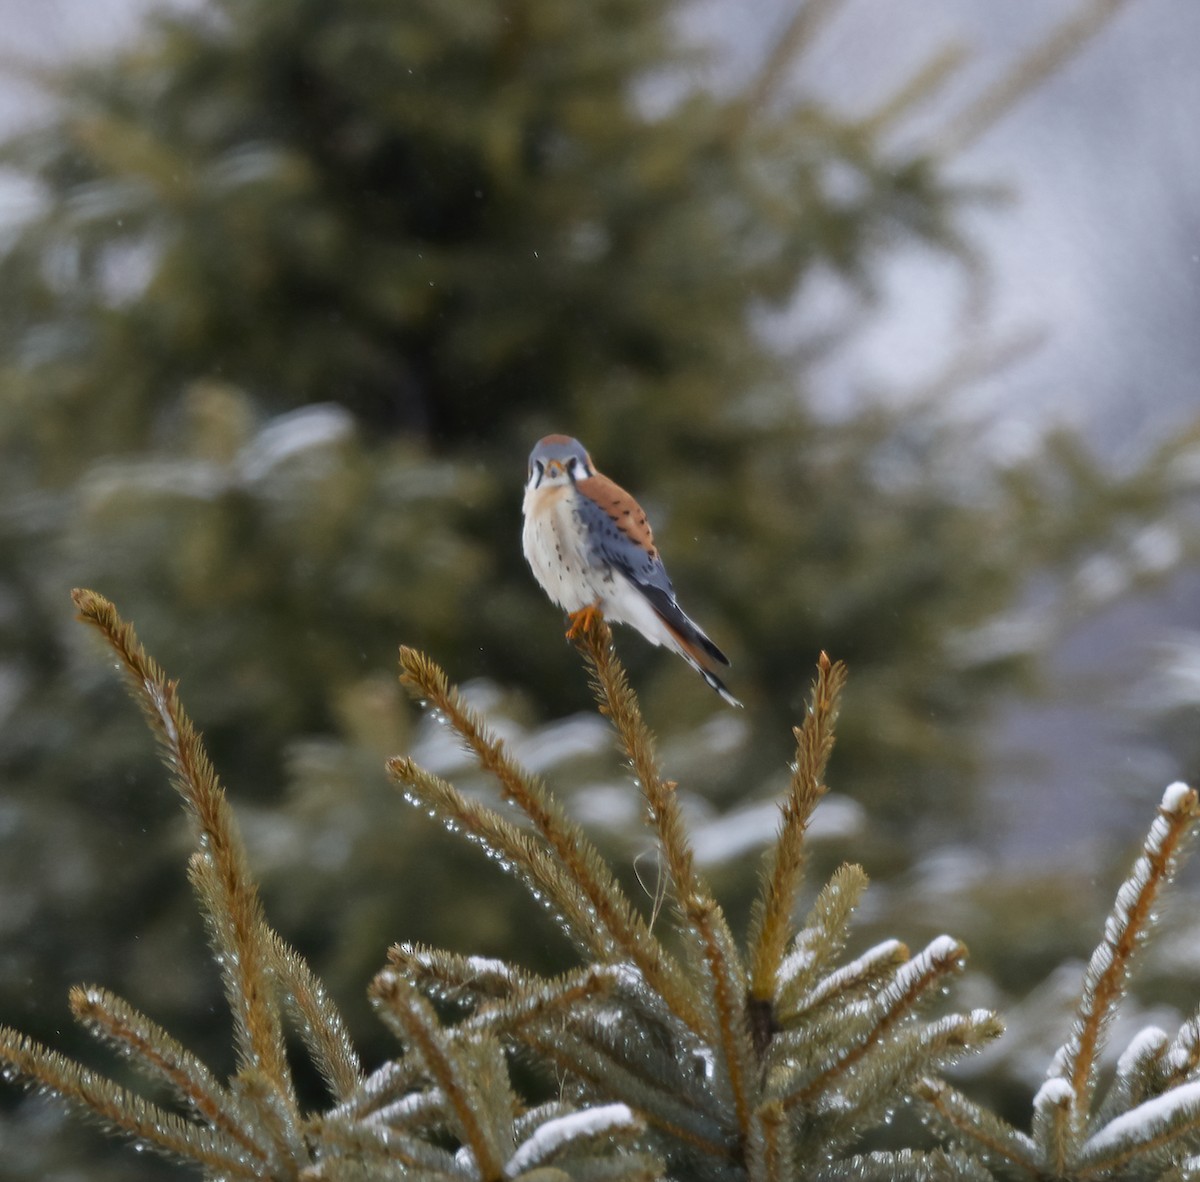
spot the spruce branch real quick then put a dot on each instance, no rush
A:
(320, 1022)
(548, 1002)
(860, 977)
(1149, 1122)
(963, 1120)
(919, 87)
(1124, 934)
(502, 999)
(822, 937)
(515, 849)
(608, 910)
(704, 930)
(362, 1151)
(914, 980)
(750, 1084)
(248, 981)
(1055, 1120)
(616, 699)
(729, 1085)
(276, 1124)
(450, 976)
(806, 22)
(391, 1082)
(161, 1058)
(904, 1165)
(770, 1146)
(929, 1046)
(728, 983)
(1181, 1060)
(603, 1072)
(405, 1011)
(557, 1137)
(1023, 78)
(421, 1112)
(231, 899)
(1140, 1073)
(771, 919)
(118, 1108)
(594, 912)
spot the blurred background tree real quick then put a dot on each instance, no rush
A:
(304, 284)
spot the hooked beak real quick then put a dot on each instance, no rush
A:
(554, 468)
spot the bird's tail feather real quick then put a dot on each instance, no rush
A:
(696, 651)
(681, 625)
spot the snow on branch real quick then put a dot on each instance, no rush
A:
(550, 1138)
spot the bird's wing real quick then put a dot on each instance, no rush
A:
(621, 537)
(620, 508)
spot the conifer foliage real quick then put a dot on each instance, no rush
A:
(1148, 1123)
(699, 1060)
(677, 1054)
(755, 1062)
(446, 1088)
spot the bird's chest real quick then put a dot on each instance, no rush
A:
(559, 549)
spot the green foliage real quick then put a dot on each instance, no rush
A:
(682, 1053)
(467, 225)
(672, 1054)
(304, 283)
(1148, 1125)
(392, 1123)
(760, 1065)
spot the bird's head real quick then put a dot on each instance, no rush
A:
(556, 460)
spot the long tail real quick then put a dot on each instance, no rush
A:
(698, 650)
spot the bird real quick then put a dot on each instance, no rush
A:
(591, 548)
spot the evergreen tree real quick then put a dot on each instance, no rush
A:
(671, 1055)
(305, 283)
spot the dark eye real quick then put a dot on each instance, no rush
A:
(536, 469)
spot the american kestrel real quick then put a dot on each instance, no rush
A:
(591, 548)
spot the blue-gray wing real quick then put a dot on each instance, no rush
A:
(620, 537)
(619, 533)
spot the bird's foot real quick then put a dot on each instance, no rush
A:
(582, 620)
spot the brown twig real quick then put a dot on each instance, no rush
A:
(413, 1016)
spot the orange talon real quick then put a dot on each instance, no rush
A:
(581, 620)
